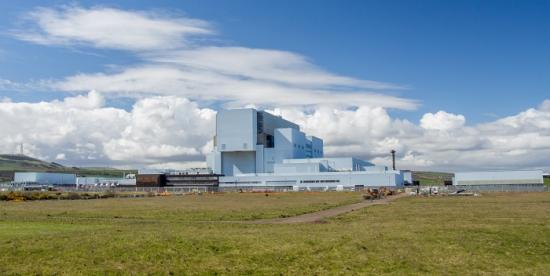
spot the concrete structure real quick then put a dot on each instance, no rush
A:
(105, 181)
(251, 141)
(500, 180)
(257, 149)
(44, 178)
(320, 180)
(202, 179)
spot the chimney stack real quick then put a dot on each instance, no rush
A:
(393, 159)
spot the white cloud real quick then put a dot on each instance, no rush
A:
(263, 65)
(104, 27)
(33, 85)
(519, 141)
(163, 128)
(233, 76)
(176, 76)
(91, 101)
(174, 132)
(235, 90)
(80, 130)
(442, 121)
(60, 156)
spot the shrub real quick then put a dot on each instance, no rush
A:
(15, 196)
(73, 196)
(108, 194)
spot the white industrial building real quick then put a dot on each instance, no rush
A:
(257, 149)
(500, 180)
(92, 181)
(44, 178)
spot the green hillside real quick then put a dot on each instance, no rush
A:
(432, 178)
(17, 162)
(10, 163)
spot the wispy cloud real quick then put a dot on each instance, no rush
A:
(200, 82)
(104, 27)
(29, 86)
(171, 65)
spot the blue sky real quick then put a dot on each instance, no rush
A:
(477, 58)
(449, 84)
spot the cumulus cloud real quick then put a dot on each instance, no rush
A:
(442, 121)
(169, 131)
(442, 141)
(81, 130)
(104, 27)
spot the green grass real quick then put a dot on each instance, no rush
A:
(432, 178)
(205, 207)
(11, 162)
(493, 234)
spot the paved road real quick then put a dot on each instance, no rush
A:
(319, 216)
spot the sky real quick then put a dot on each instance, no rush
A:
(451, 85)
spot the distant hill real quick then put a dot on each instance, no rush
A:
(10, 163)
(17, 162)
(432, 178)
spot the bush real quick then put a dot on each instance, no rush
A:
(16, 196)
(108, 194)
(73, 196)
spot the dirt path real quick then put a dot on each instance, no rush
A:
(319, 216)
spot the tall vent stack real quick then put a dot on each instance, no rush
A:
(393, 159)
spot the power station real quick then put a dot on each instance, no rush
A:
(257, 149)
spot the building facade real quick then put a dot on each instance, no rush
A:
(500, 180)
(255, 149)
(44, 178)
(250, 141)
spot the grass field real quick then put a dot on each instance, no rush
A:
(432, 178)
(492, 234)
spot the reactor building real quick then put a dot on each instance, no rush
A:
(256, 149)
